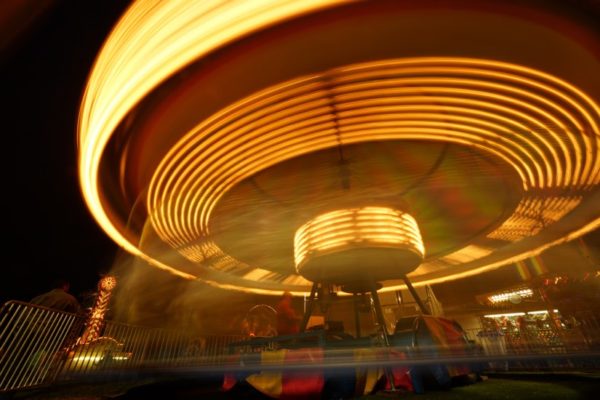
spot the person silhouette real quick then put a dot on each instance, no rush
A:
(288, 322)
(58, 298)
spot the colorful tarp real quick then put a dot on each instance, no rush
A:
(309, 382)
(449, 341)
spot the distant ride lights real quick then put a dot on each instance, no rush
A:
(96, 318)
(509, 296)
(93, 347)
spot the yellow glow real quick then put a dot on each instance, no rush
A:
(153, 40)
(518, 314)
(532, 215)
(499, 108)
(467, 254)
(595, 224)
(515, 314)
(401, 231)
(540, 312)
(92, 358)
(265, 144)
(498, 298)
(108, 283)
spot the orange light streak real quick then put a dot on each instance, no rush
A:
(152, 41)
(499, 108)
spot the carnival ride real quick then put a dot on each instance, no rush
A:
(273, 146)
(206, 160)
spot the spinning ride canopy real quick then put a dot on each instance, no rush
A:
(209, 135)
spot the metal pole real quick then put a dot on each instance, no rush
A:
(379, 314)
(415, 296)
(388, 373)
(311, 302)
(399, 299)
(356, 316)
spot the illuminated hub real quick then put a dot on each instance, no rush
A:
(351, 245)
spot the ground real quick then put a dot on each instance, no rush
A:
(497, 387)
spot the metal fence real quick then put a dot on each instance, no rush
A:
(30, 340)
(40, 346)
(540, 348)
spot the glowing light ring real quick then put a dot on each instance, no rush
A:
(173, 34)
(260, 143)
(365, 227)
(297, 118)
(476, 101)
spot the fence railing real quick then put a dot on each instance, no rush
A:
(40, 346)
(533, 342)
(31, 338)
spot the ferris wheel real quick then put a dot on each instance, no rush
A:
(260, 321)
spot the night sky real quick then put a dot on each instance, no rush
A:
(48, 231)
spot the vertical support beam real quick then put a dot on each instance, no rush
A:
(311, 303)
(415, 296)
(399, 298)
(379, 314)
(378, 311)
(356, 315)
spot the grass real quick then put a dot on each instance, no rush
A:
(505, 389)
(544, 387)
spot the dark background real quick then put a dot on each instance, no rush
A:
(48, 50)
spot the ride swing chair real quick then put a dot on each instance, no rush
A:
(350, 251)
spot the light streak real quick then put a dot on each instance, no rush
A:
(544, 128)
(515, 314)
(498, 298)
